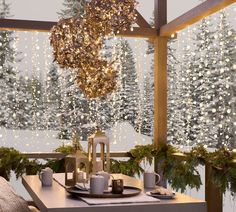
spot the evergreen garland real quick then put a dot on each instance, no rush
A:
(179, 173)
(223, 171)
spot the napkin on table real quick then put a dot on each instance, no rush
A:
(141, 198)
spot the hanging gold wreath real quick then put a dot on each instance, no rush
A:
(97, 81)
(77, 44)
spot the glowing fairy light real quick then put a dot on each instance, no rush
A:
(139, 80)
(46, 66)
(16, 114)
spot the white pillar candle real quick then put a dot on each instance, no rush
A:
(99, 166)
(81, 176)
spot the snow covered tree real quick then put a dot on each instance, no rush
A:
(7, 73)
(38, 108)
(148, 102)
(204, 64)
(221, 96)
(175, 123)
(24, 111)
(71, 8)
(52, 99)
(195, 65)
(76, 113)
(127, 94)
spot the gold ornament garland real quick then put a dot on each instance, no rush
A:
(77, 44)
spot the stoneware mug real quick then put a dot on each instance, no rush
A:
(45, 176)
(96, 184)
(106, 176)
(117, 186)
(150, 179)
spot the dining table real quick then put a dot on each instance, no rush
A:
(55, 198)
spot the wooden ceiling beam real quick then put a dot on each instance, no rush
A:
(26, 25)
(194, 15)
(145, 31)
(139, 32)
(160, 13)
(140, 20)
(45, 26)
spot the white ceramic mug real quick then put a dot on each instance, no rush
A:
(96, 184)
(45, 176)
(106, 176)
(150, 179)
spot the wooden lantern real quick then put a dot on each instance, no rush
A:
(75, 165)
(104, 162)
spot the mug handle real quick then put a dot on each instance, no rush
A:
(159, 178)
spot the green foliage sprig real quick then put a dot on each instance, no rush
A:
(178, 173)
(67, 149)
(11, 160)
(143, 152)
(129, 167)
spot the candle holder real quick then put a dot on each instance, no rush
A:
(76, 168)
(104, 162)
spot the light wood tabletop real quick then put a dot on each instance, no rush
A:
(56, 199)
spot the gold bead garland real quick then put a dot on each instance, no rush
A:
(77, 44)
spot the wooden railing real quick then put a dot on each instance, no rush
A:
(213, 195)
(58, 155)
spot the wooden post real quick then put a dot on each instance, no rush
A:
(160, 90)
(160, 81)
(160, 75)
(213, 195)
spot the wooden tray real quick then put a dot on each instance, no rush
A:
(128, 192)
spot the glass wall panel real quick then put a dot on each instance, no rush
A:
(177, 8)
(202, 88)
(44, 10)
(43, 107)
(41, 10)
(202, 85)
